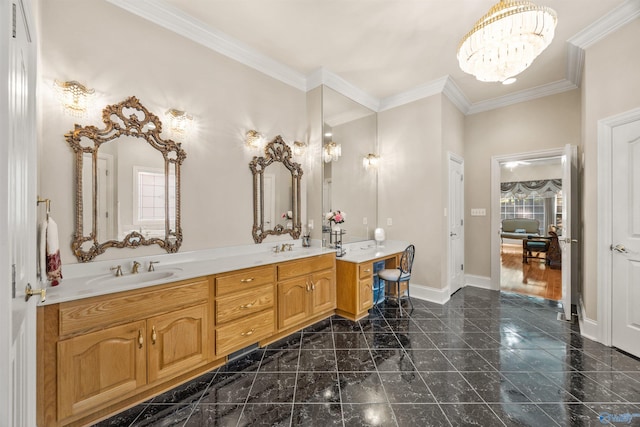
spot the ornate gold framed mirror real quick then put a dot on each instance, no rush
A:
(127, 183)
(276, 192)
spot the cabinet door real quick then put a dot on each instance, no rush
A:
(323, 295)
(178, 342)
(100, 368)
(293, 297)
(365, 298)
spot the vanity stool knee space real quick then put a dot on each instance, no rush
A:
(400, 275)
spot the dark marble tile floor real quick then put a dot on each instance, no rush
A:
(483, 359)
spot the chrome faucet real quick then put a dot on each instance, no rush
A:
(134, 269)
(151, 268)
(118, 270)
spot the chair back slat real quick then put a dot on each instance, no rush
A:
(406, 261)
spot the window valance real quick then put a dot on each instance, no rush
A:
(524, 189)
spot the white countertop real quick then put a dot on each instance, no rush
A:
(95, 278)
(366, 251)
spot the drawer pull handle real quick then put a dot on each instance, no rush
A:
(246, 334)
(368, 270)
(140, 338)
(250, 279)
(313, 286)
(245, 306)
(153, 335)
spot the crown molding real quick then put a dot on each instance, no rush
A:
(322, 76)
(617, 18)
(522, 96)
(165, 15)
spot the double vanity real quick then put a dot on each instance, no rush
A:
(106, 343)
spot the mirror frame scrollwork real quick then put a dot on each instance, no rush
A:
(275, 151)
(118, 124)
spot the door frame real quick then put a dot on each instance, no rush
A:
(452, 157)
(495, 203)
(605, 220)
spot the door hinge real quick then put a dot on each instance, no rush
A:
(106, 172)
(106, 214)
(462, 267)
(462, 222)
(462, 177)
(13, 280)
(13, 31)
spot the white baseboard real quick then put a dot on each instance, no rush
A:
(478, 281)
(427, 293)
(588, 327)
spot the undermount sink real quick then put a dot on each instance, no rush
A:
(130, 279)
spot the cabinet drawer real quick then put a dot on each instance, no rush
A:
(306, 266)
(244, 279)
(98, 312)
(241, 333)
(365, 270)
(242, 304)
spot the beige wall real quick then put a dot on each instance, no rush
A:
(121, 55)
(410, 182)
(610, 86)
(544, 123)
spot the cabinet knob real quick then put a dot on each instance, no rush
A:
(140, 339)
(153, 335)
(246, 334)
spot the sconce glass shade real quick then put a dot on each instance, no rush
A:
(379, 236)
(332, 152)
(505, 41)
(371, 161)
(253, 139)
(299, 148)
(180, 123)
(74, 97)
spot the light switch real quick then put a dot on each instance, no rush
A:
(310, 224)
(364, 221)
(479, 212)
(389, 221)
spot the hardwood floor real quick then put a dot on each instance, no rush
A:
(535, 278)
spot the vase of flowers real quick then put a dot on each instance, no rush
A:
(335, 218)
(288, 216)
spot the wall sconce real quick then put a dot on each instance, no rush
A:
(74, 97)
(332, 152)
(180, 123)
(253, 139)
(299, 148)
(371, 161)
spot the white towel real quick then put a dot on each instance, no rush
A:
(50, 262)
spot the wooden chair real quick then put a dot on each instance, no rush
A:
(541, 246)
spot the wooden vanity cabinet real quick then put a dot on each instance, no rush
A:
(355, 286)
(245, 308)
(306, 290)
(99, 354)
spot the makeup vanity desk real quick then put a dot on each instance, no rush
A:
(354, 275)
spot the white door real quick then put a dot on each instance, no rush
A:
(569, 227)
(18, 215)
(625, 332)
(456, 223)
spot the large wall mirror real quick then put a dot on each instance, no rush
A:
(276, 192)
(127, 183)
(349, 135)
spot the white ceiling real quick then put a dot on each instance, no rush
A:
(382, 52)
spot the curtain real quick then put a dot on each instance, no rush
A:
(524, 189)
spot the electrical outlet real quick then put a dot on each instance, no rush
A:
(364, 221)
(310, 224)
(389, 222)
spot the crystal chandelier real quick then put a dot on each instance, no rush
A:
(505, 41)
